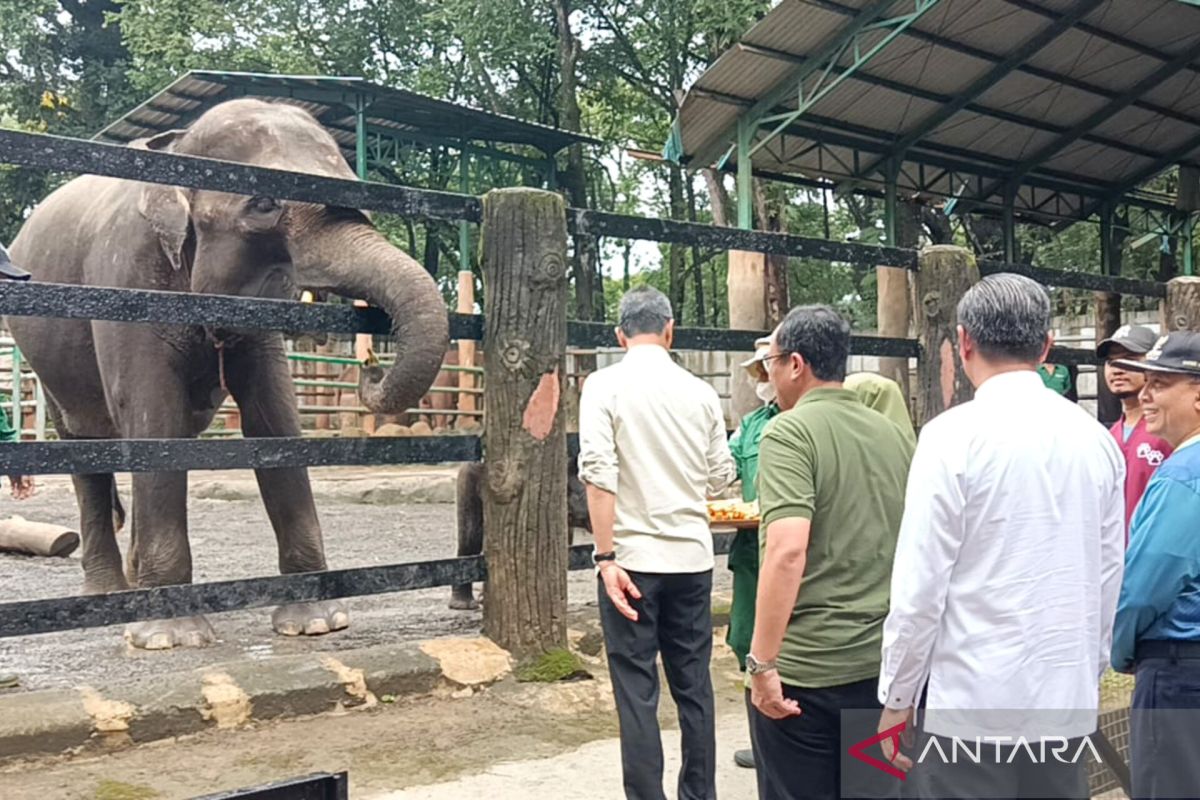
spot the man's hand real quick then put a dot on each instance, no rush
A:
(766, 693)
(889, 719)
(617, 584)
(22, 486)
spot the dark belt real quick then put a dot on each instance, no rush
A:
(1161, 648)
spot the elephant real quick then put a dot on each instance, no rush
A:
(110, 380)
(469, 498)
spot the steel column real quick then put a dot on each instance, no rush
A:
(745, 174)
(1108, 261)
(464, 227)
(1186, 240)
(360, 137)
(891, 179)
(1010, 223)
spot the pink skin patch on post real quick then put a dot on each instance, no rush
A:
(542, 407)
(947, 375)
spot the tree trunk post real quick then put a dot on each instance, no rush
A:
(1108, 319)
(524, 238)
(466, 350)
(1181, 309)
(944, 275)
(892, 311)
(746, 293)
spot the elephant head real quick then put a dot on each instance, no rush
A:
(259, 246)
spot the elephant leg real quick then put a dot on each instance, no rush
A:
(259, 380)
(470, 529)
(100, 555)
(163, 557)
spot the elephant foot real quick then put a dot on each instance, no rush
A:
(103, 584)
(463, 599)
(164, 634)
(310, 619)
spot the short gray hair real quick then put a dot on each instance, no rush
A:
(1007, 316)
(644, 310)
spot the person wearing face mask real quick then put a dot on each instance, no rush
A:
(743, 554)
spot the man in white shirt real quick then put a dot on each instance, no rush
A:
(1007, 569)
(652, 446)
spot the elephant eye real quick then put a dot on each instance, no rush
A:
(262, 204)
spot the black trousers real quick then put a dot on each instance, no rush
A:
(807, 757)
(674, 618)
(1165, 729)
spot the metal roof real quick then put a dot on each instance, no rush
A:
(1107, 97)
(332, 100)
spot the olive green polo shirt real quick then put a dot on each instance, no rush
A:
(833, 461)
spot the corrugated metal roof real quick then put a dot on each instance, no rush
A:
(332, 100)
(1020, 123)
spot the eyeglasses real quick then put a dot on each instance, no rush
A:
(768, 359)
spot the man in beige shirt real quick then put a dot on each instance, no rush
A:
(652, 447)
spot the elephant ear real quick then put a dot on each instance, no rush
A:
(166, 208)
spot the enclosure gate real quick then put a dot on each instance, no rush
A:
(140, 306)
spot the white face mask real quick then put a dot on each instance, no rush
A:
(765, 391)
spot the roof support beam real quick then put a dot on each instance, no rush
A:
(1100, 33)
(924, 94)
(1037, 72)
(986, 81)
(817, 70)
(1164, 162)
(1115, 105)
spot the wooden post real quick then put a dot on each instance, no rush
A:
(362, 349)
(746, 293)
(1108, 319)
(466, 350)
(1181, 309)
(892, 311)
(944, 275)
(524, 238)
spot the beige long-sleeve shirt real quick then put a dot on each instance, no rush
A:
(653, 434)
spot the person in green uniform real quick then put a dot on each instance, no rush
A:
(743, 554)
(1056, 377)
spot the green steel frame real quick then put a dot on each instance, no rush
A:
(868, 34)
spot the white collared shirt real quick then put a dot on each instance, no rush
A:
(1008, 564)
(653, 434)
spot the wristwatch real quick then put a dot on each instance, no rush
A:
(597, 558)
(756, 667)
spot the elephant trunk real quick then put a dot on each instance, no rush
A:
(354, 260)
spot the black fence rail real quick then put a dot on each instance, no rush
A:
(154, 307)
(321, 786)
(76, 155)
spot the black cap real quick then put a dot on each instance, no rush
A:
(1134, 338)
(9, 270)
(1176, 352)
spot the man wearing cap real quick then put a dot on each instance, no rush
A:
(743, 554)
(1143, 450)
(1157, 628)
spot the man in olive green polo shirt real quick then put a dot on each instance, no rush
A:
(831, 484)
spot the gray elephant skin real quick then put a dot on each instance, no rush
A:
(108, 380)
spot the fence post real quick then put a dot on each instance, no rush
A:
(1181, 309)
(18, 413)
(524, 238)
(944, 274)
(466, 351)
(892, 310)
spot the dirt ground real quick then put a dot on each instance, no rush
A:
(518, 740)
(233, 539)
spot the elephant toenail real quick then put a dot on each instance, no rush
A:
(316, 627)
(158, 641)
(341, 620)
(289, 629)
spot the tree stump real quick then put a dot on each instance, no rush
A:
(892, 311)
(746, 291)
(524, 238)
(1108, 319)
(1181, 309)
(944, 275)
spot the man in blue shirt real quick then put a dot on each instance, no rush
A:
(1157, 628)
